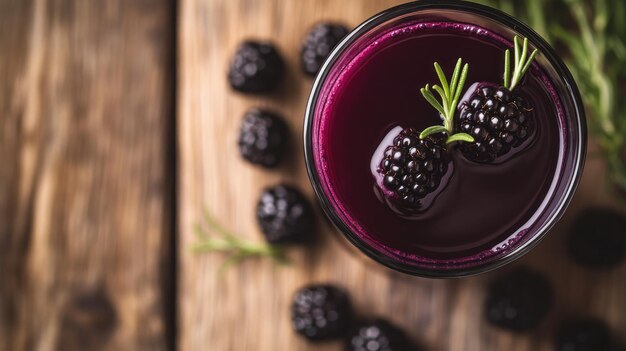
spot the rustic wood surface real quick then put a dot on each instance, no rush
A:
(86, 188)
(247, 308)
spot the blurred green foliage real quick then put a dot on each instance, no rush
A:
(590, 35)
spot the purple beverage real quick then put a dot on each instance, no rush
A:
(415, 202)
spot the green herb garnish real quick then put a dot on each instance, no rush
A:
(237, 248)
(520, 65)
(450, 94)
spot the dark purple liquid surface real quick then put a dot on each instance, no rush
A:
(482, 206)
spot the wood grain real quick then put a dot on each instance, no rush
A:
(86, 111)
(247, 309)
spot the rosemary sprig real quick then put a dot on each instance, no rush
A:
(520, 65)
(449, 94)
(226, 242)
(596, 72)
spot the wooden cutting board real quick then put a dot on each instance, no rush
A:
(248, 307)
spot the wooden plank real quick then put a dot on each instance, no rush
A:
(247, 308)
(86, 113)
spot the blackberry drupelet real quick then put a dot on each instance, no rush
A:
(319, 42)
(284, 215)
(597, 238)
(256, 67)
(583, 335)
(519, 300)
(378, 335)
(497, 119)
(262, 137)
(321, 312)
(413, 167)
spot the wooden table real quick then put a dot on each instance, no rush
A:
(117, 128)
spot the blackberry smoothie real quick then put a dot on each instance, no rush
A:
(476, 202)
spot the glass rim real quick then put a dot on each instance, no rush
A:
(502, 19)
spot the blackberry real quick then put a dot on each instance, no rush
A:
(497, 117)
(519, 300)
(262, 137)
(319, 42)
(415, 163)
(256, 67)
(583, 335)
(413, 167)
(320, 312)
(497, 120)
(378, 335)
(284, 215)
(597, 238)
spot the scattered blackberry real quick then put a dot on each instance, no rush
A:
(519, 300)
(284, 215)
(413, 167)
(320, 312)
(256, 68)
(319, 42)
(262, 137)
(498, 118)
(597, 238)
(378, 335)
(585, 335)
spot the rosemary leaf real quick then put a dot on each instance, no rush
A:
(236, 248)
